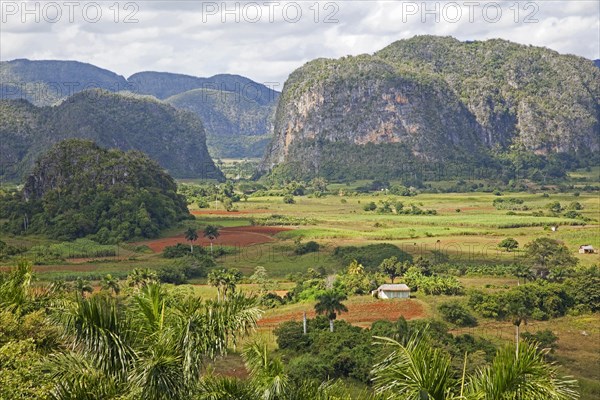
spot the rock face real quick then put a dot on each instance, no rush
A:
(433, 99)
(174, 138)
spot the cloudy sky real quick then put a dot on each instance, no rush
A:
(266, 40)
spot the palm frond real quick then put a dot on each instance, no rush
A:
(413, 371)
(268, 375)
(525, 375)
(77, 377)
(97, 327)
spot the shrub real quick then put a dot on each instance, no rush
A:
(509, 203)
(370, 207)
(308, 247)
(288, 199)
(545, 338)
(370, 256)
(457, 314)
(271, 300)
(186, 268)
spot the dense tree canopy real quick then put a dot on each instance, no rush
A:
(78, 189)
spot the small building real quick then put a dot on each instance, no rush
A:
(554, 228)
(392, 291)
(586, 249)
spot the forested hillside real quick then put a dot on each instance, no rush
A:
(47, 82)
(78, 189)
(174, 138)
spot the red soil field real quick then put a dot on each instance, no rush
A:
(240, 236)
(362, 314)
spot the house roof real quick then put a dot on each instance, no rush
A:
(587, 247)
(400, 287)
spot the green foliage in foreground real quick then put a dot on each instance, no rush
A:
(78, 189)
(153, 344)
(148, 344)
(418, 370)
(349, 351)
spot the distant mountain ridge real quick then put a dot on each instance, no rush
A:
(433, 100)
(165, 84)
(46, 83)
(174, 138)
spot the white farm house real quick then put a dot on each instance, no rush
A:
(392, 291)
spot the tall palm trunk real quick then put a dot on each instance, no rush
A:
(331, 325)
(517, 337)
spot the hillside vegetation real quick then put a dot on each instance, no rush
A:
(236, 126)
(236, 111)
(78, 189)
(175, 139)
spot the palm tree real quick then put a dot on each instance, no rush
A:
(153, 347)
(330, 304)
(140, 277)
(524, 376)
(83, 286)
(418, 370)
(231, 279)
(110, 283)
(518, 309)
(217, 278)
(211, 232)
(15, 291)
(415, 370)
(267, 373)
(191, 235)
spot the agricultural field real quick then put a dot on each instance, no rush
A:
(458, 230)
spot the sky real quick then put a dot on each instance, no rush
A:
(267, 40)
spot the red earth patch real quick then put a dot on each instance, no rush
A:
(362, 314)
(238, 236)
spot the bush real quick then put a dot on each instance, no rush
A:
(370, 207)
(307, 367)
(308, 247)
(509, 203)
(288, 199)
(545, 338)
(457, 314)
(290, 336)
(572, 214)
(181, 250)
(271, 300)
(186, 268)
(370, 256)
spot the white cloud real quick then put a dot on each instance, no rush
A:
(190, 37)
